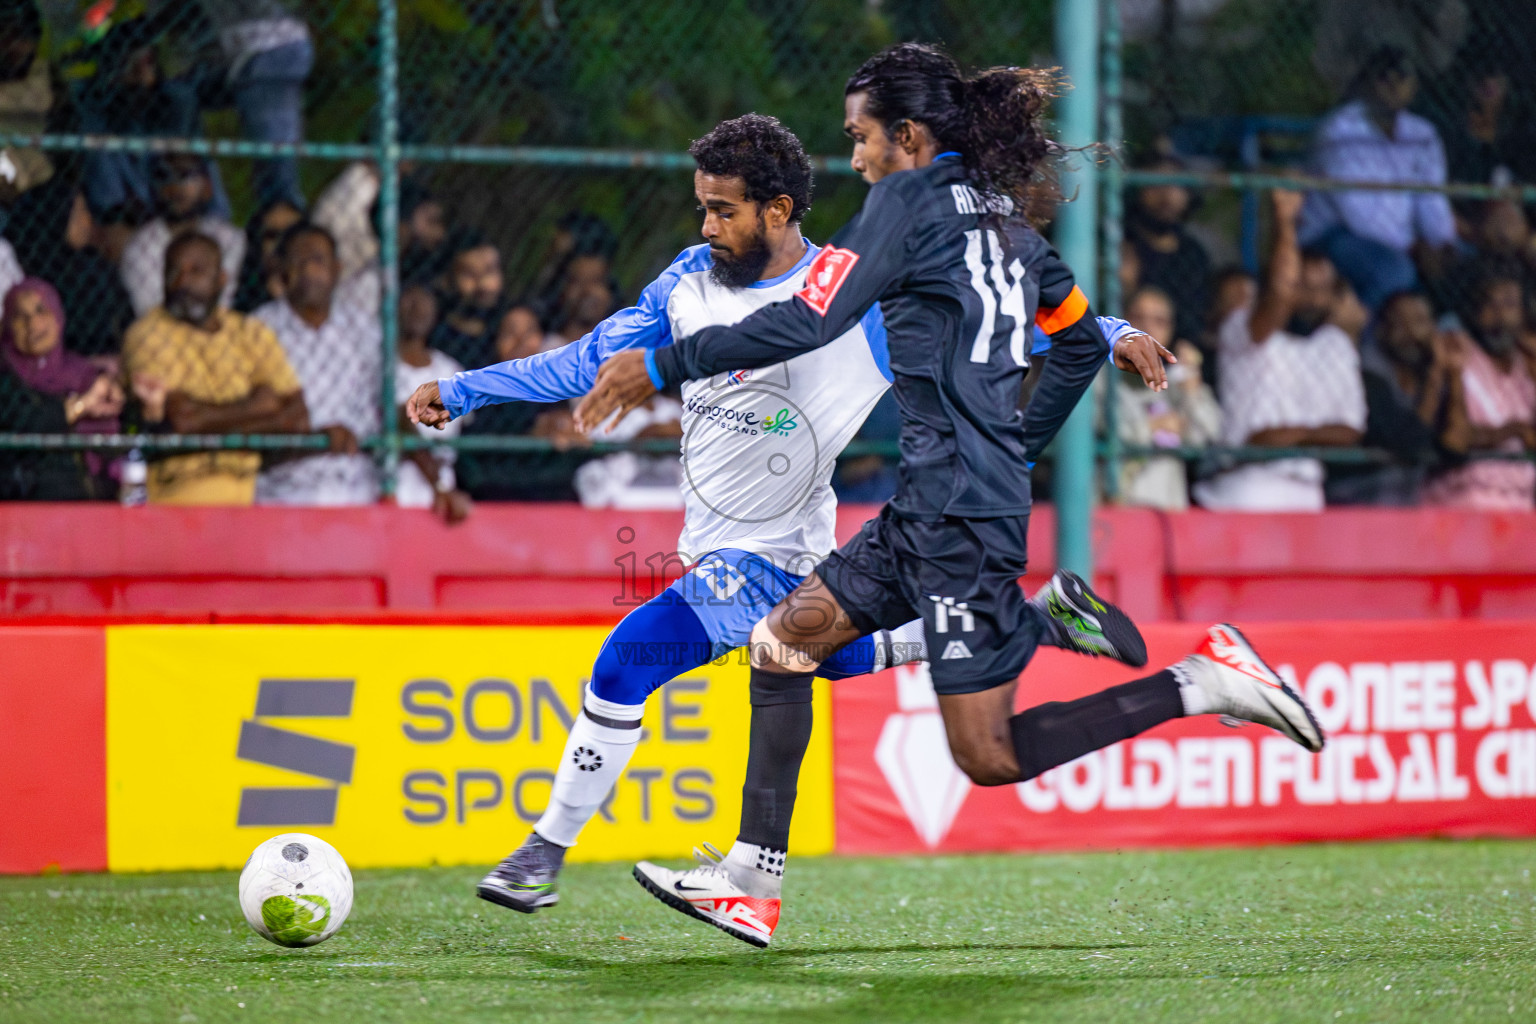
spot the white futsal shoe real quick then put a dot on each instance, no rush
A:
(707, 893)
(1234, 681)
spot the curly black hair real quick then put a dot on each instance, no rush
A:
(764, 154)
(995, 119)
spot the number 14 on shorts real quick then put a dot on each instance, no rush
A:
(947, 610)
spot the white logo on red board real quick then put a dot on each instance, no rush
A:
(826, 275)
(913, 755)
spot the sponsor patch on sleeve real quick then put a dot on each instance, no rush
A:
(825, 276)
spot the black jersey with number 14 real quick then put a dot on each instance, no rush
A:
(959, 287)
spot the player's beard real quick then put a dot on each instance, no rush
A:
(738, 270)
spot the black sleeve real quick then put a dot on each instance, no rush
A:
(1391, 426)
(856, 269)
(1078, 350)
(24, 411)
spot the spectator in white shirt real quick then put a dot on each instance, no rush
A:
(1380, 241)
(336, 350)
(426, 477)
(10, 267)
(632, 480)
(1289, 377)
(184, 192)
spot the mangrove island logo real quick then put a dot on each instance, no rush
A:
(780, 423)
(785, 473)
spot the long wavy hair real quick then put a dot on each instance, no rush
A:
(995, 119)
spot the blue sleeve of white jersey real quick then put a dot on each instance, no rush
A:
(570, 371)
(1113, 328)
(873, 323)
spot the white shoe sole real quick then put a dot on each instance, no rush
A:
(681, 905)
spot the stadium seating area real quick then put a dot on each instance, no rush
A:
(1434, 294)
(532, 563)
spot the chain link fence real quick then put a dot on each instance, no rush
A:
(1399, 358)
(498, 176)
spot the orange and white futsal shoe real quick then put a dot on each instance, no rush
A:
(708, 893)
(1234, 681)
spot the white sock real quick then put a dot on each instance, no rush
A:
(904, 644)
(1193, 696)
(595, 756)
(758, 870)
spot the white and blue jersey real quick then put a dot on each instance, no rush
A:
(759, 446)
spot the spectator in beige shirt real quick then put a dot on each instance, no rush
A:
(204, 369)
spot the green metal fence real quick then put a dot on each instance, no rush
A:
(518, 117)
(1229, 100)
(513, 115)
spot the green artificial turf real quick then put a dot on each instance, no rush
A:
(1430, 931)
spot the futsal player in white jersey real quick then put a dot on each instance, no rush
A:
(758, 452)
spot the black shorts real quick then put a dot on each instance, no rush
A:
(960, 576)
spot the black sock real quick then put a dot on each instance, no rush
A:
(1061, 731)
(781, 732)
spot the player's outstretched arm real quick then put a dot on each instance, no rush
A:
(845, 279)
(571, 371)
(1078, 349)
(545, 377)
(623, 383)
(842, 282)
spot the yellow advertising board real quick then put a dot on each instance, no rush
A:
(407, 745)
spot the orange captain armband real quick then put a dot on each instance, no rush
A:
(1065, 315)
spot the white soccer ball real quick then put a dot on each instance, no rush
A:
(296, 890)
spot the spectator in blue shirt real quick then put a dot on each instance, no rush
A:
(1379, 240)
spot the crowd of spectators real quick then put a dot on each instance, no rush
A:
(134, 302)
(1392, 324)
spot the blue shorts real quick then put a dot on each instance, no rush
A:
(731, 591)
(704, 615)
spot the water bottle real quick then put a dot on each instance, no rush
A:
(133, 489)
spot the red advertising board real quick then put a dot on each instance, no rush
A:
(53, 756)
(1432, 730)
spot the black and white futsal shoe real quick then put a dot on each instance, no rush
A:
(525, 881)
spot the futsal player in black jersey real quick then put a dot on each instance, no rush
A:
(959, 280)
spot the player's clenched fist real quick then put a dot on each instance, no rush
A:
(622, 384)
(426, 406)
